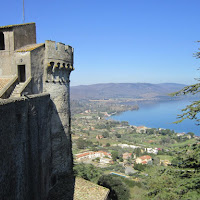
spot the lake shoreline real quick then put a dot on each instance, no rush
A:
(159, 115)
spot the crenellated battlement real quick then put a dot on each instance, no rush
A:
(58, 51)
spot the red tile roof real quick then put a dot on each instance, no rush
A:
(90, 153)
(144, 162)
(146, 157)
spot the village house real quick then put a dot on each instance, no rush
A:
(127, 146)
(99, 137)
(126, 156)
(146, 159)
(105, 160)
(92, 155)
(141, 129)
(165, 162)
(180, 134)
(151, 150)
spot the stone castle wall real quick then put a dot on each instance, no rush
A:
(32, 156)
(25, 148)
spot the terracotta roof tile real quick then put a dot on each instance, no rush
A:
(92, 152)
(145, 157)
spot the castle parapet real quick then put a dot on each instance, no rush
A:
(58, 51)
(58, 62)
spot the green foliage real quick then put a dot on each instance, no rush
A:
(118, 135)
(108, 125)
(151, 131)
(182, 181)
(124, 123)
(115, 167)
(166, 132)
(105, 134)
(168, 183)
(97, 159)
(114, 155)
(191, 134)
(156, 161)
(108, 144)
(118, 189)
(87, 171)
(121, 159)
(167, 140)
(138, 152)
(82, 144)
(160, 152)
(190, 158)
(190, 111)
(140, 167)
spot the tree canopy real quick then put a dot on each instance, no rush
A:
(87, 171)
(190, 111)
(118, 189)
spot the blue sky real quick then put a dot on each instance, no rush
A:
(118, 40)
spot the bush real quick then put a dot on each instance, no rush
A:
(139, 167)
(105, 134)
(87, 171)
(107, 144)
(118, 189)
(118, 135)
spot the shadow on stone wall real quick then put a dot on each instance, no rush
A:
(27, 151)
(62, 159)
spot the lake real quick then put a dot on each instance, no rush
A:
(159, 115)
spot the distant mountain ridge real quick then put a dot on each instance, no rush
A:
(124, 90)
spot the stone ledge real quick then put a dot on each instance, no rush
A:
(23, 98)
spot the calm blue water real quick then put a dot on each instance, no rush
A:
(159, 115)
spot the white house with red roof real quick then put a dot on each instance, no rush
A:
(146, 159)
(92, 155)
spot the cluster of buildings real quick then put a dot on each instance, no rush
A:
(148, 150)
(104, 157)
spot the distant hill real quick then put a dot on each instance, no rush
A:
(124, 90)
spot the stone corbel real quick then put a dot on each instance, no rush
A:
(49, 71)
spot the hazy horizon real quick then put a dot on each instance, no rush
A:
(124, 83)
